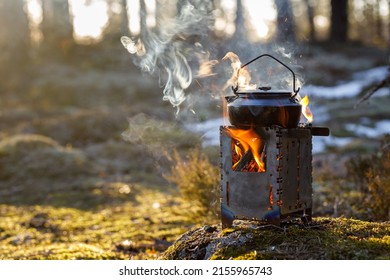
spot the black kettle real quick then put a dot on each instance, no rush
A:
(263, 106)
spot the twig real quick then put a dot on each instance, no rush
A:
(247, 158)
(370, 93)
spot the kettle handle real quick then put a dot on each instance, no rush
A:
(296, 90)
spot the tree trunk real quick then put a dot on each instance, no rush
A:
(339, 21)
(56, 26)
(310, 16)
(239, 39)
(118, 23)
(14, 36)
(378, 22)
(285, 21)
(124, 18)
(239, 23)
(143, 14)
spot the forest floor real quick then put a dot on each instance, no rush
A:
(73, 187)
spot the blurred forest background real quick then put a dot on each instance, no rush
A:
(92, 160)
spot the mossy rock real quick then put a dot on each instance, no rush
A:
(82, 127)
(37, 156)
(37, 170)
(19, 144)
(322, 239)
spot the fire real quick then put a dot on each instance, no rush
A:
(244, 79)
(248, 147)
(305, 109)
(241, 77)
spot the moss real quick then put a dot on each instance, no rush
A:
(47, 232)
(323, 239)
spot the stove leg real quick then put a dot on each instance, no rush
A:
(306, 217)
(227, 216)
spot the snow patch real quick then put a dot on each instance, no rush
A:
(380, 128)
(349, 89)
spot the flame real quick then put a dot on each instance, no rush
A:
(241, 77)
(247, 141)
(244, 79)
(305, 109)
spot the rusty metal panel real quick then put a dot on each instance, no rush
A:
(295, 175)
(247, 194)
(282, 191)
(305, 162)
(288, 173)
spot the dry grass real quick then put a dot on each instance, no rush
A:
(198, 182)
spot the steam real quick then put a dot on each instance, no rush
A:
(169, 50)
(150, 133)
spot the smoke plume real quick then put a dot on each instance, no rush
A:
(174, 52)
(174, 49)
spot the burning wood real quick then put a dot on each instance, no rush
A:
(247, 150)
(242, 163)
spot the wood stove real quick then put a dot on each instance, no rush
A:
(266, 157)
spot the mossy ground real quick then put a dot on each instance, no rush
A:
(141, 228)
(324, 238)
(71, 186)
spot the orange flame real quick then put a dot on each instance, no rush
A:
(241, 76)
(305, 109)
(244, 80)
(247, 141)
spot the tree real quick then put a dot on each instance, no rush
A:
(124, 18)
(239, 40)
(56, 26)
(339, 21)
(14, 35)
(143, 14)
(285, 21)
(310, 16)
(239, 23)
(118, 23)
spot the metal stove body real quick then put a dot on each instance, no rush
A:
(280, 188)
(283, 191)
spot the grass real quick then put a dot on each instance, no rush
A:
(140, 228)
